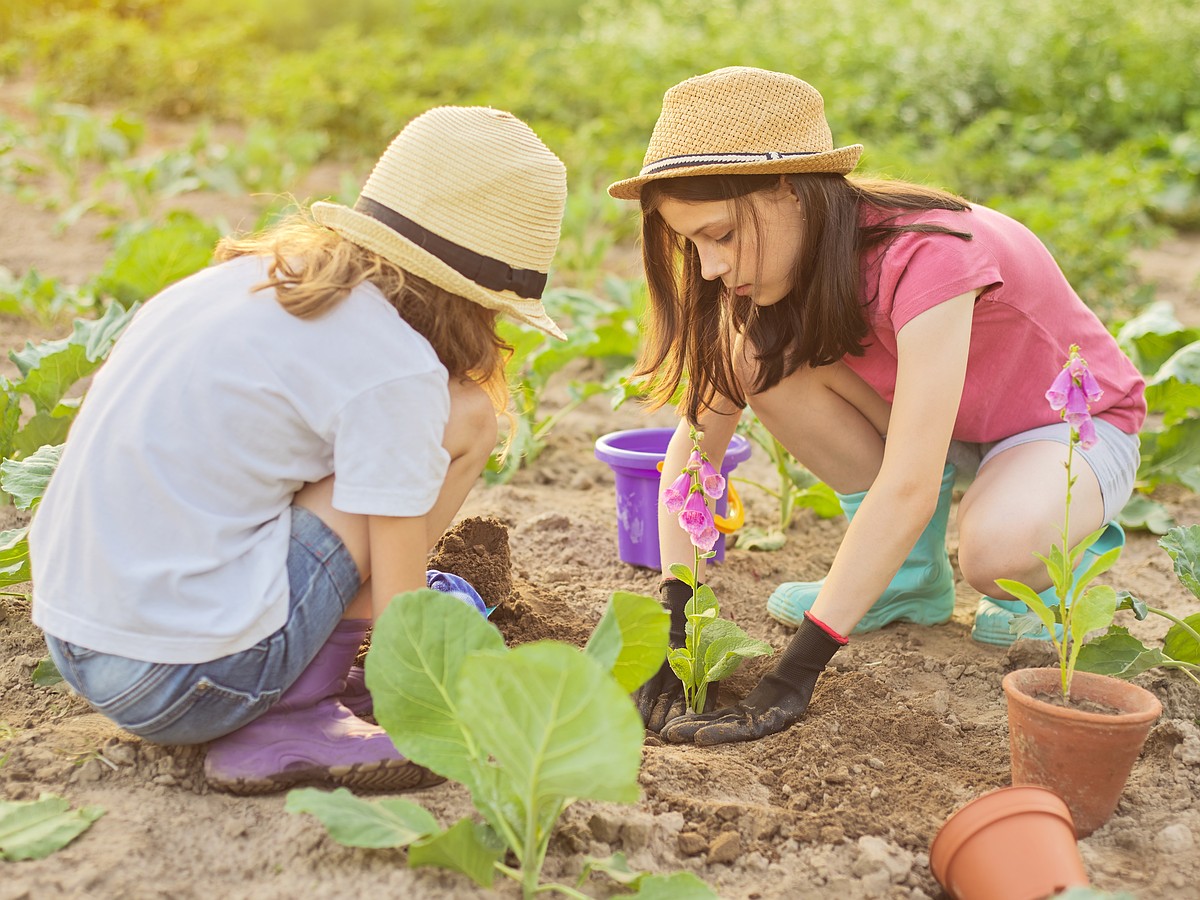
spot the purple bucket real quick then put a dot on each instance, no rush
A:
(634, 456)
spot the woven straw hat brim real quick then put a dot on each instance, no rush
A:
(840, 161)
(378, 238)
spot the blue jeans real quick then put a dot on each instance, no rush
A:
(190, 703)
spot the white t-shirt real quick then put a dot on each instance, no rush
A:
(164, 533)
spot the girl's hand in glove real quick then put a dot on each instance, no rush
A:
(776, 703)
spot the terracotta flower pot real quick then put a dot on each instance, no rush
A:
(1085, 757)
(1013, 843)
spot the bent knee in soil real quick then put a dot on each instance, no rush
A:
(984, 557)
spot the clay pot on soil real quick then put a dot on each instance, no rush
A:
(1083, 752)
(1013, 843)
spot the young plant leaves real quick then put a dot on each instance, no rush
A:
(386, 822)
(466, 847)
(25, 480)
(631, 639)
(1118, 653)
(556, 723)
(417, 650)
(33, 829)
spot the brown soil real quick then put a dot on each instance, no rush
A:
(907, 724)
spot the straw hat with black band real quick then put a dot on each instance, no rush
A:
(469, 199)
(739, 121)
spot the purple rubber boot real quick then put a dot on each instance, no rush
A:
(310, 737)
(355, 697)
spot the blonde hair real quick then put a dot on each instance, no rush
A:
(313, 268)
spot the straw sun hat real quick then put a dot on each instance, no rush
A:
(467, 198)
(739, 121)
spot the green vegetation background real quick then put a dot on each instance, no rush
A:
(1077, 116)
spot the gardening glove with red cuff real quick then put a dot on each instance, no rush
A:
(776, 703)
(661, 698)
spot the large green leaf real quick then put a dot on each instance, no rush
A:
(50, 368)
(1118, 653)
(25, 480)
(556, 723)
(1152, 337)
(147, 259)
(386, 822)
(1174, 390)
(631, 639)
(1172, 455)
(33, 829)
(1182, 544)
(1179, 643)
(1142, 512)
(466, 847)
(418, 647)
(14, 557)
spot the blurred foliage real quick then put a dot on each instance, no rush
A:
(1080, 121)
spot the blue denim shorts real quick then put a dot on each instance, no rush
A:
(193, 703)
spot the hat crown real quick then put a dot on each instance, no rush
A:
(478, 177)
(740, 110)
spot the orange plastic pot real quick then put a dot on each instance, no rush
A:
(1013, 843)
(1085, 757)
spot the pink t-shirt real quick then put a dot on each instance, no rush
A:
(1025, 320)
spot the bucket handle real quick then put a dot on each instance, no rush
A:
(737, 512)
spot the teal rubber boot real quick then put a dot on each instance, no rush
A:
(922, 590)
(993, 618)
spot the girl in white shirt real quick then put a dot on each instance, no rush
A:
(276, 443)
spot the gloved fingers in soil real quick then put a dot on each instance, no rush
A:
(661, 699)
(776, 703)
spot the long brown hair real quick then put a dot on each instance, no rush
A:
(692, 325)
(313, 268)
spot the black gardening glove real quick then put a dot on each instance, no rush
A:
(776, 703)
(661, 699)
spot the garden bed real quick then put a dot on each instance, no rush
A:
(908, 724)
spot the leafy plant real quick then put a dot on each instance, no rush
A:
(527, 731)
(599, 327)
(797, 488)
(33, 829)
(715, 647)
(1081, 609)
(147, 258)
(1119, 653)
(1168, 354)
(45, 300)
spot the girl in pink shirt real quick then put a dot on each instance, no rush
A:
(845, 311)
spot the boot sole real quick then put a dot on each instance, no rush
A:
(391, 776)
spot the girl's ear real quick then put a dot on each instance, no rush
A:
(786, 185)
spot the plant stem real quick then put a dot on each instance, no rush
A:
(562, 889)
(1182, 624)
(692, 691)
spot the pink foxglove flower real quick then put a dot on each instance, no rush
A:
(676, 494)
(697, 520)
(1073, 392)
(711, 480)
(694, 462)
(1087, 434)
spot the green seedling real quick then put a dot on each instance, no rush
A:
(714, 647)
(1119, 653)
(33, 829)
(527, 731)
(796, 488)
